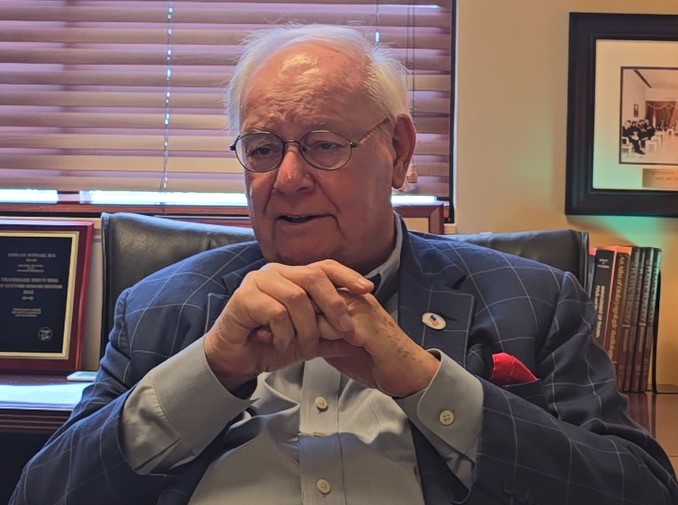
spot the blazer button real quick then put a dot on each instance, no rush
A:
(522, 495)
(509, 487)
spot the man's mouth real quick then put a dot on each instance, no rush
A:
(297, 219)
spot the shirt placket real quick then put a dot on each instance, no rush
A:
(320, 459)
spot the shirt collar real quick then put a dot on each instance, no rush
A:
(386, 275)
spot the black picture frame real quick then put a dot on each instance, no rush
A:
(582, 197)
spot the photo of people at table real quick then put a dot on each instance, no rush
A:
(649, 116)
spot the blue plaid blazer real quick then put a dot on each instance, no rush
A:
(565, 439)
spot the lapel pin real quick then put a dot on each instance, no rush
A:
(433, 321)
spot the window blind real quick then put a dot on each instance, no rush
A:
(128, 95)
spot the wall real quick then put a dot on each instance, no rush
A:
(635, 92)
(511, 134)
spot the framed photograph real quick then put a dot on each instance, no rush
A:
(622, 138)
(44, 270)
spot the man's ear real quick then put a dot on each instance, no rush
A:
(404, 139)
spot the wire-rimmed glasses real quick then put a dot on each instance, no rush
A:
(263, 151)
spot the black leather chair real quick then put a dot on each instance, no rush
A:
(135, 246)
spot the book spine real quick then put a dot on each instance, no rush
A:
(617, 295)
(652, 316)
(600, 291)
(634, 331)
(630, 302)
(590, 268)
(641, 323)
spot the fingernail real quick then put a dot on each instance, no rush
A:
(365, 283)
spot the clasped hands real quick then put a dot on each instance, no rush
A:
(284, 314)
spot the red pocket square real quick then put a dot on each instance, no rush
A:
(507, 369)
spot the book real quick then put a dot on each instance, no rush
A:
(601, 281)
(625, 291)
(650, 330)
(590, 267)
(631, 315)
(635, 361)
(620, 272)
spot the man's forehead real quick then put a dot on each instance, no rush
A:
(294, 61)
(312, 70)
(300, 67)
(311, 84)
(309, 57)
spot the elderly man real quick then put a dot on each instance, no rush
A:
(341, 359)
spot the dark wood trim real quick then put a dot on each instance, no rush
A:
(16, 417)
(30, 420)
(92, 210)
(437, 213)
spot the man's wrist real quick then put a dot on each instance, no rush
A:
(236, 385)
(427, 371)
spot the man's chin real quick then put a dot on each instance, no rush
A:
(302, 257)
(302, 254)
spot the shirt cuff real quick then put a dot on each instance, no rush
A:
(176, 411)
(449, 411)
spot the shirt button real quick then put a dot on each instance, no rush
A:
(446, 417)
(323, 486)
(321, 404)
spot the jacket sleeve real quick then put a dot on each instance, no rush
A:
(84, 459)
(575, 444)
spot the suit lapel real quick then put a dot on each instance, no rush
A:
(427, 281)
(217, 301)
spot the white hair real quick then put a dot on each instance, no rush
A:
(385, 76)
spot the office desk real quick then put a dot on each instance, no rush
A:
(31, 409)
(36, 403)
(658, 413)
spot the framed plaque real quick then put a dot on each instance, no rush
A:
(44, 271)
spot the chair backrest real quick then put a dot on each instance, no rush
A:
(134, 246)
(565, 249)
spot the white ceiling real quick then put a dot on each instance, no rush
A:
(660, 78)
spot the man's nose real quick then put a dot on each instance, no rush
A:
(293, 172)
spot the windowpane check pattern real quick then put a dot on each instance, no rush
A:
(99, 94)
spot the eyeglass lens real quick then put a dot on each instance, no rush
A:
(263, 151)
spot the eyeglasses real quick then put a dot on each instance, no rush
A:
(263, 151)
